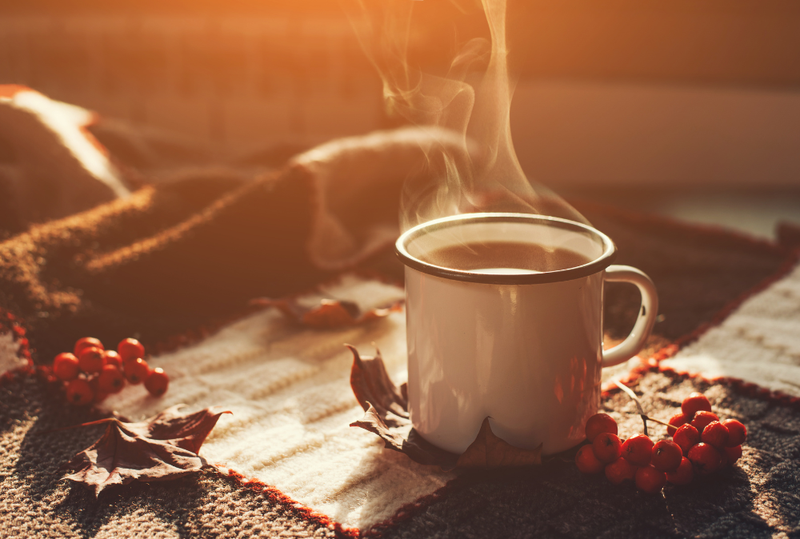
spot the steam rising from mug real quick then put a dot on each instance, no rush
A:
(470, 105)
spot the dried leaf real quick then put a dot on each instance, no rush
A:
(372, 387)
(386, 414)
(489, 451)
(406, 440)
(328, 314)
(163, 447)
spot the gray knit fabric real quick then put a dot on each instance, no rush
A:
(36, 502)
(758, 498)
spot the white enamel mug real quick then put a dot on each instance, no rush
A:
(524, 349)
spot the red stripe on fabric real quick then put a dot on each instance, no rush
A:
(299, 509)
(742, 387)
(653, 363)
(409, 510)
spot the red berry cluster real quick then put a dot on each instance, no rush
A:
(700, 444)
(90, 373)
(709, 443)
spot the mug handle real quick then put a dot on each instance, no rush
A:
(634, 342)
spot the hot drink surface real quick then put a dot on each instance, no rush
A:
(505, 257)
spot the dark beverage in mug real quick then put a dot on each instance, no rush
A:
(505, 257)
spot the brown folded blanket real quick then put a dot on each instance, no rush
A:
(184, 253)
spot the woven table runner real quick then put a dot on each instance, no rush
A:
(175, 265)
(288, 464)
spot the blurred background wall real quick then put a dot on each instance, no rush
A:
(610, 93)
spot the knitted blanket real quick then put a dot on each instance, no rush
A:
(175, 265)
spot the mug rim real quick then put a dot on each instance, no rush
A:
(598, 264)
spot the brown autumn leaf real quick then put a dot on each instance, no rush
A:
(489, 451)
(327, 314)
(160, 448)
(386, 414)
(406, 440)
(372, 387)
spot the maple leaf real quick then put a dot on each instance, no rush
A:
(489, 451)
(372, 387)
(386, 414)
(328, 313)
(160, 448)
(403, 438)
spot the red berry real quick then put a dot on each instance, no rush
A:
(686, 437)
(99, 396)
(650, 480)
(705, 458)
(65, 366)
(79, 392)
(587, 462)
(676, 421)
(702, 419)
(607, 447)
(667, 456)
(90, 359)
(638, 450)
(696, 402)
(620, 470)
(110, 380)
(130, 349)
(110, 357)
(86, 342)
(683, 475)
(136, 370)
(600, 423)
(737, 433)
(715, 434)
(157, 382)
(732, 454)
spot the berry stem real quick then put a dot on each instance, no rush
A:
(659, 421)
(88, 424)
(628, 391)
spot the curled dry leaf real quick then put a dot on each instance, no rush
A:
(327, 314)
(489, 451)
(372, 387)
(163, 447)
(406, 440)
(386, 414)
